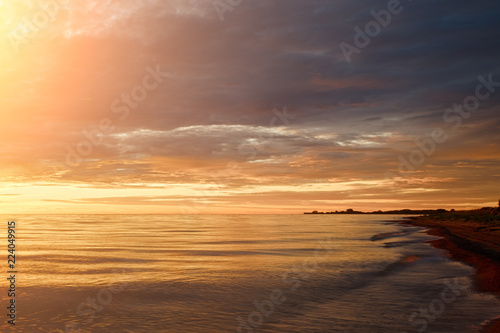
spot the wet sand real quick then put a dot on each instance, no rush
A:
(473, 242)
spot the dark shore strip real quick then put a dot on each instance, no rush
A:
(474, 239)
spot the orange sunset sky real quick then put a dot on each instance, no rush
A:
(182, 107)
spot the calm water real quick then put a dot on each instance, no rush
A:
(238, 273)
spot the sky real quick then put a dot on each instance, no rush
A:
(251, 106)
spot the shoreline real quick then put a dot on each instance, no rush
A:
(473, 243)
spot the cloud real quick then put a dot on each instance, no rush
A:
(351, 121)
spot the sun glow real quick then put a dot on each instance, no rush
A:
(11, 17)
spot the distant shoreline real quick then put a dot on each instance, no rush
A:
(471, 237)
(388, 212)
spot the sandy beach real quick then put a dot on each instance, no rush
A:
(473, 238)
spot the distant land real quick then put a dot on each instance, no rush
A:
(396, 212)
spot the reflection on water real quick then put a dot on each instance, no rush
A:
(236, 273)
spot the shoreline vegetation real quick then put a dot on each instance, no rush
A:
(388, 212)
